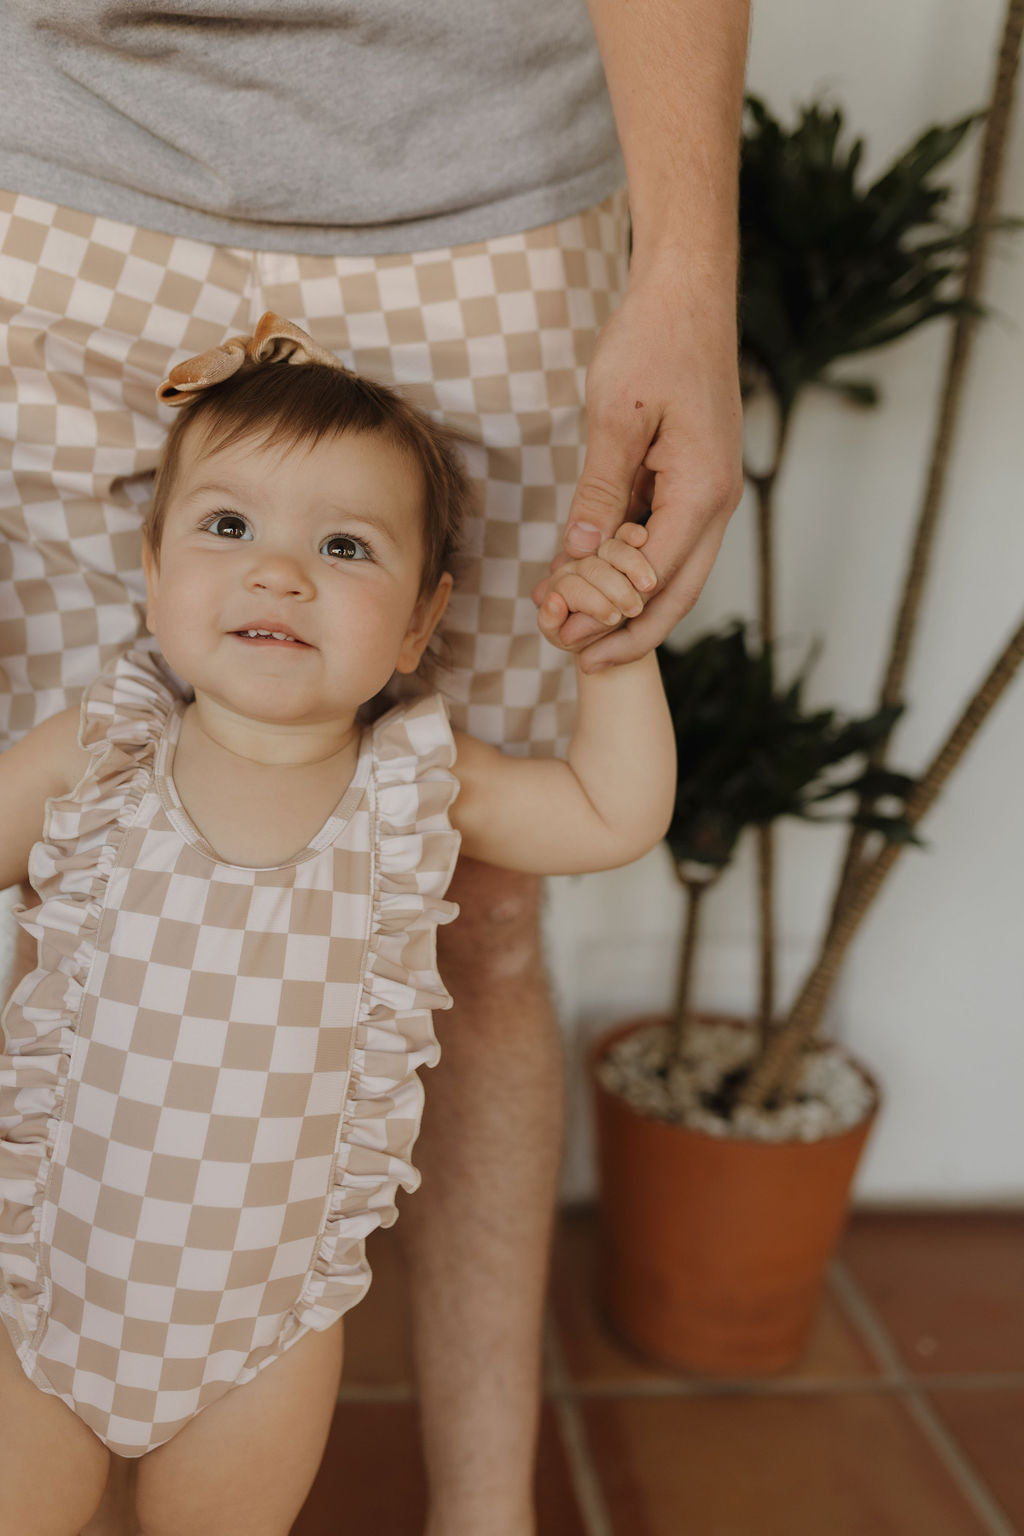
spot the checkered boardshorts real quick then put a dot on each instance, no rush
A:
(210, 1093)
(493, 338)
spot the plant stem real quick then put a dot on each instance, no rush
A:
(764, 486)
(766, 902)
(773, 1074)
(990, 169)
(687, 966)
(764, 489)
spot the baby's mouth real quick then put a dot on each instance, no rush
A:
(272, 636)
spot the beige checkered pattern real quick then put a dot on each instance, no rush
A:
(492, 337)
(210, 1092)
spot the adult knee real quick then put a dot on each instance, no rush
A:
(496, 936)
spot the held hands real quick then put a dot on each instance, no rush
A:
(607, 587)
(664, 423)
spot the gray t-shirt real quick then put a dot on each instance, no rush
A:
(325, 126)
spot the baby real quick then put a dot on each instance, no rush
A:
(209, 1096)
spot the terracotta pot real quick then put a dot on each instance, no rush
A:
(715, 1248)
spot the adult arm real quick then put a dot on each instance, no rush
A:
(663, 406)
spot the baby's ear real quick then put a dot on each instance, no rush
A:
(426, 616)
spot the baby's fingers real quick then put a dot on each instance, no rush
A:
(552, 613)
(626, 558)
(596, 589)
(630, 533)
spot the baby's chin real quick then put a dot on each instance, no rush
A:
(280, 703)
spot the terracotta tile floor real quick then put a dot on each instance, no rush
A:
(905, 1416)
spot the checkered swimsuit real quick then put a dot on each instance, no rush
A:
(210, 1094)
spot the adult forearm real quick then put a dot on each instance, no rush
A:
(675, 75)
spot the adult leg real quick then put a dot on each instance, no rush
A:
(477, 1232)
(52, 1467)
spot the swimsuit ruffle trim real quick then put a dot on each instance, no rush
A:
(123, 715)
(415, 852)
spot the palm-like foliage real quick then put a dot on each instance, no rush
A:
(905, 204)
(831, 268)
(749, 752)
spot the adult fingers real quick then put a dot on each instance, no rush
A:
(641, 496)
(604, 494)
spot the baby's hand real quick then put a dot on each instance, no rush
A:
(607, 586)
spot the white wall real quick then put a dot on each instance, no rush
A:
(932, 996)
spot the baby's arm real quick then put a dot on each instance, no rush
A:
(612, 797)
(48, 761)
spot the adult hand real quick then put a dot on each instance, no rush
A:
(664, 433)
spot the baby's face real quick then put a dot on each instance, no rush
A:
(318, 548)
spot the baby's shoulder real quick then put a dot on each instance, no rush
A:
(56, 745)
(44, 764)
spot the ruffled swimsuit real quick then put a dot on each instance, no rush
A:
(209, 1096)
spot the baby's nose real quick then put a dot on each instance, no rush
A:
(281, 574)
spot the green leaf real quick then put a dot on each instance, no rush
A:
(833, 267)
(883, 781)
(748, 752)
(856, 391)
(892, 828)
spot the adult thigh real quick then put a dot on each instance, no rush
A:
(496, 936)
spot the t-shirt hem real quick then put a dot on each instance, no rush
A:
(504, 216)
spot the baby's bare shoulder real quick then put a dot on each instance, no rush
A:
(51, 750)
(46, 762)
(68, 754)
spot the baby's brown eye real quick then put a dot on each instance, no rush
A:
(228, 525)
(341, 547)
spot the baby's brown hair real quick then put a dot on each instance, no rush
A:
(295, 404)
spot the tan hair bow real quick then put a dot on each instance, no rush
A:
(273, 341)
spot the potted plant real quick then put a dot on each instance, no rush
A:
(676, 1189)
(724, 1174)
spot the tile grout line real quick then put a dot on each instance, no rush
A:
(586, 1486)
(795, 1386)
(393, 1392)
(971, 1485)
(786, 1386)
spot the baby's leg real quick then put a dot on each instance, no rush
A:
(244, 1466)
(52, 1467)
(116, 1514)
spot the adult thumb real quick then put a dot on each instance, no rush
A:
(602, 497)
